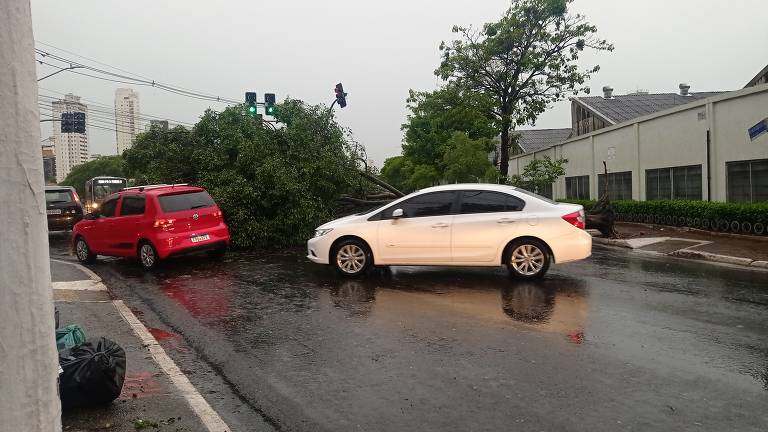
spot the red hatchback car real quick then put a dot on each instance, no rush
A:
(152, 223)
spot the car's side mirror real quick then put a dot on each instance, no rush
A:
(91, 216)
(398, 213)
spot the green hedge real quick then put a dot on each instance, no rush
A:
(716, 216)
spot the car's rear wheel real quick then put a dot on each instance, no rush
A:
(352, 257)
(148, 255)
(528, 259)
(83, 251)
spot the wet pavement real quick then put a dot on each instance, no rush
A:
(617, 342)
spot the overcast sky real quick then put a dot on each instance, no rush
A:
(378, 50)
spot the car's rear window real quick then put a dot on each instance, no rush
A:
(185, 201)
(58, 196)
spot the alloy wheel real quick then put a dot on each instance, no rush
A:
(82, 250)
(350, 258)
(527, 259)
(147, 255)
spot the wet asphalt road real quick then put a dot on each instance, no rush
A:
(617, 342)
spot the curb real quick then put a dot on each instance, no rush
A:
(760, 238)
(687, 254)
(207, 415)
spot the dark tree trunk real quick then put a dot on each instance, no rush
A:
(504, 150)
(373, 179)
(602, 217)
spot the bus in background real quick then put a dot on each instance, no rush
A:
(98, 188)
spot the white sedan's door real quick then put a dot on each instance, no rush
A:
(422, 235)
(486, 219)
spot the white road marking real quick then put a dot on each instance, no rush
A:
(207, 415)
(81, 285)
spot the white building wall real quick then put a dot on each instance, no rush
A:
(126, 118)
(671, 138)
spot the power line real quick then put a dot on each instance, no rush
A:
(135, 79)
(110, 109)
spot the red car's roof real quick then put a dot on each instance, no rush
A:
(158, 190)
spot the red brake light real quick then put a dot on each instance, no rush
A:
(576, 219)
(165, 224)
(217, 214)
(76, 197)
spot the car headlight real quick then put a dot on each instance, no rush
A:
(322, 232)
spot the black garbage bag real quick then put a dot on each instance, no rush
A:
(93, 374)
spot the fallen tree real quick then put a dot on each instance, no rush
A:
(602, 216)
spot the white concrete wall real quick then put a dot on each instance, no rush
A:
(29, 400)
(675, 137)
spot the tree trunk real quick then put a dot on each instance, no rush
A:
(29, 398)
(382, 183)
(504, 149)
(602, 217)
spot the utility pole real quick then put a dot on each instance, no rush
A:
(29, 363)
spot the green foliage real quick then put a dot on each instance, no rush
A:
(398, 171)
(466, 160)
(539, 173)
(434, 118)
(274, 186)
(524, 62)
(104, 166)
(685, 212)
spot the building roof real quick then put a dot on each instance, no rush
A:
(621, 108)
(532, 140)
(760, 78)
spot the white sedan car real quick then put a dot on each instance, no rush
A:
(457, 225)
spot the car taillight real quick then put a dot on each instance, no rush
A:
(76, 197)
(576, 219)
(217, 214)
(165, 224)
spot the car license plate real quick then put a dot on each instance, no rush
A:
(54, 211)
(199, 238)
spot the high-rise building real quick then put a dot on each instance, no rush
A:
(71, 148)
(126, 118)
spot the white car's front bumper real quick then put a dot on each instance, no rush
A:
(318, 249)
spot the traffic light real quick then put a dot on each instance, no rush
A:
(341, 97)
(79, 122)
(250, 102)
(269, 103)
(67, 122)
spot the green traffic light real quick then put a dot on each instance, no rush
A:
(252, 109)
(270, 110)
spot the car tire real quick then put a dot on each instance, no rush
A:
(147, 255)
(351, 258)
(83, 251)
(527, 259)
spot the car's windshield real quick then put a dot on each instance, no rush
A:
(58, 196)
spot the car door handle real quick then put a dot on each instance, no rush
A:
(440, 225)
(505, 221)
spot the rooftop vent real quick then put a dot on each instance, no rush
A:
(684, 89)
(608, 92)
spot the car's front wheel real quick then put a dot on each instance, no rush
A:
(528, 259)
(83, 251)
(148, 255)
(352, 257)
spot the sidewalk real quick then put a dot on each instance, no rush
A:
(751, 251)
(156, 394)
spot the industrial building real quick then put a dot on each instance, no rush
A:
(686, 145)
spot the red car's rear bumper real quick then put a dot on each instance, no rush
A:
(170, 243)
